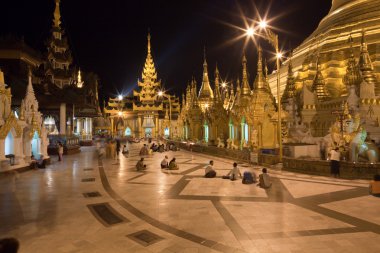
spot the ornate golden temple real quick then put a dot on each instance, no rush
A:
(149, 111)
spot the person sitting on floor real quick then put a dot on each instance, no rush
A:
(209, 170)
(144, 150)
(161, 149)
(374, 186)
(234, 173)
(41, 163)
(173, 165)
(140, 165)
(165, 163)
(264, 179)
(125, 150)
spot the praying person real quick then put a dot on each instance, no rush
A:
(173, 165)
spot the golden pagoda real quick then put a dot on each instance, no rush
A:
(149, 111)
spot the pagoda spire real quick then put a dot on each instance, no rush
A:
(290, 88)
(319, 84)
(217, 86)
(57, 14)
(352, 76)
(259, 80)
(246, 90)
(366, 67)
(205, 91)
(149, 72)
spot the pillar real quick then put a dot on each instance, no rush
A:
(139, 124)
(79, 125)
(62, 118)
(156, 126)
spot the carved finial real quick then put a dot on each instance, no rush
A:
(57, 14)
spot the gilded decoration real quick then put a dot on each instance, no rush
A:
(10, 123)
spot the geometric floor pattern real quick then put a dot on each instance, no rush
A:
(87, 204)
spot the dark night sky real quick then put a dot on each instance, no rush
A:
(109, 37)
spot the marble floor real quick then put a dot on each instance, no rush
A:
(91, 204)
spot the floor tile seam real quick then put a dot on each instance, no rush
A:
(312, 232)
(231, 223)
(154, 222)
(361, 224)
(319, 182)
(335, 196)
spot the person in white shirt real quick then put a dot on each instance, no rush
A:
(165, 163)
(209, 170)
(335, 164)
(264, 179)
(234, 173)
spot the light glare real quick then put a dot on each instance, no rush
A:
(250, 32)
(279, 55)
(263, 24)
(120, 97)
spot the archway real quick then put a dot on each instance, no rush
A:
(9, 144)
(36, 145)
(128, 132)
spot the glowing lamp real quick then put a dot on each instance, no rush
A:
(120, 97)
(250, 32)
(263, 24)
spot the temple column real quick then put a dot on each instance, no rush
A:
(79, 125)
(156, 126)
(62, 118)
(139, 126)
(112, 127)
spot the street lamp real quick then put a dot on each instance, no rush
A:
(162, 94)
(272, 38)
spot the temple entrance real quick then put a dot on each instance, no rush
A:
(36, 145)
(166, 132)
(128, 132)
(148, 132)
(9, 144)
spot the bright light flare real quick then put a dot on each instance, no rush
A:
(279, 55)
(224, 84)
(120, 97)
(250, 32)
(120, 113)
(263, 24)
(160, 93)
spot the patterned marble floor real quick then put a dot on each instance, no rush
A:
(88, 204)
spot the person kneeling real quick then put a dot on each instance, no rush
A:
(140, 165)
(173, 165)
(164, 163)
(209, 170)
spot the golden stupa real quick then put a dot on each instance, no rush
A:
(330, 43)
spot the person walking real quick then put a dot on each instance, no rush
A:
(118, 147)
(60, 152)
(335, 162)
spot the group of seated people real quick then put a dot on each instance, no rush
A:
(247, 178)
(172, 165)
(157, 147)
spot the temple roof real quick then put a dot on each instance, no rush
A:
(149, 74)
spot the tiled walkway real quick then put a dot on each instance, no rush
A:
(86, 204)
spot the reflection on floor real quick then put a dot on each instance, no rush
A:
(87, 204)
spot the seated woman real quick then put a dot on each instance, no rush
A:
(144, 150)
(161, 149)
(173, 165)
(140, 165)
(374, 186)
(233, 174)
(264, 179)
(164, 163)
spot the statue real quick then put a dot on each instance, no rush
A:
(231, 144)
(220, 143)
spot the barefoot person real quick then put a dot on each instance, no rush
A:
(335, 162)
(173, 165)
